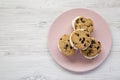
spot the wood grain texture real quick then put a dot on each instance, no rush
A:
(24, 26)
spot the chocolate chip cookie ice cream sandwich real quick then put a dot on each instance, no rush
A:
(83, 23)
(93, 50)
(80, 39)
(64, 45)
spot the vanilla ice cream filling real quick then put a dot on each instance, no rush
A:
(89, 57)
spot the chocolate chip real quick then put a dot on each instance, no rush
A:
(87, 35)
(83, 40)
(99, 42)
(91, 25)
(77, 34)
(89, 52)
(86, 30)
(70, 47)
(88, 41)
(80, 39)
(82, 20)
(92, 42)
(68, 40)
(88, 25)
(84, 44)
(77, 21)
(60, 38)
(90, 46)
(98, 47)
(66, 45)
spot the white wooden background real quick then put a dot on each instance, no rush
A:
(24, 26)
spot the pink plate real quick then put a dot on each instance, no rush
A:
(63, 25)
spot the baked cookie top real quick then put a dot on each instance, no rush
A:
(83, 23)
(93, 50)
(64, 45)
(80, 39)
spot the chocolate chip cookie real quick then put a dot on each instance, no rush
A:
(83, 23)
(80, 39)
(93, 50)
(65, 46)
